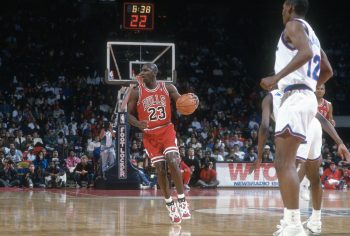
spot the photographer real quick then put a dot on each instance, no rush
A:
(207, 177)
(33, 178)
(8, 175)
(84, 171)
(54, 176)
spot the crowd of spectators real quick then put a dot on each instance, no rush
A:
(53, 102)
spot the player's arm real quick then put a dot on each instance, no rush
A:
(329, 128)
(330, 114)
(132, 103)
(173, 93)
(294, 33)
(326, 69)
(263, 129)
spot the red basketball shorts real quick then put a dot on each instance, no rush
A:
(160, 141)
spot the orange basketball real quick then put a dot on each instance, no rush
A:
(187, 103)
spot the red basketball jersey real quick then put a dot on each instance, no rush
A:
(154, 105)
(324, 108)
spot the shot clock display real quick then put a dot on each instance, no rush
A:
(138, 16)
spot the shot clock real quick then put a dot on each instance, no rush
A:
(138, 16)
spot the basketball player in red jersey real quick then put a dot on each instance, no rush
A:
(149, 109)
(324, 107)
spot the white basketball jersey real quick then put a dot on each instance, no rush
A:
(276, 102)
(308, 73)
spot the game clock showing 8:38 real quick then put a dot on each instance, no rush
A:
(138, 16)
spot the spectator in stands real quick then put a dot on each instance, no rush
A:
(207, 158)
(246, 144)
(207, 177)
(250, 156)
(331, 177)
(136, 153)
(217, 155)
(238, 155)
(146, 181)
(93, 146)
(193, 162)
(267, 155)
(2, 159)
(84, 171)
(37, 141)
(254, 137)
(57, 158)
(15, 155)
(61, 143)
(196, 125)
(41, 163)
(186, 174)
(20, 141)
(108, 156)
(346, 177)
(194, 143)
(182, 151)
(33, 178)
(8, 175)
(71, 162)
(29, 155)
(54, 176)
(235, 141)
(50, 139)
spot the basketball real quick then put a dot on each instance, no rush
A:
(187, 103)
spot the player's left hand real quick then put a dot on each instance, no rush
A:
(268, 83)
(343, 152)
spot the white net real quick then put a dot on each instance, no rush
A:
(125, 60)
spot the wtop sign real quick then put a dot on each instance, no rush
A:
(122, 146)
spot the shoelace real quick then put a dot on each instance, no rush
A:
(184, 208)
(172, 211)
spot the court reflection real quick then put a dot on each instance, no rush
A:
(214, 212)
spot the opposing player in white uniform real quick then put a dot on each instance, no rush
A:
(309, 151)
(299, 60)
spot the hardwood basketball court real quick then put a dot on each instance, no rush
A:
(142, 212)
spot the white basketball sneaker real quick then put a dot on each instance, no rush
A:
(315, 227)
(289, 230)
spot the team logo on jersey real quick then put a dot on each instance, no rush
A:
(153, 100)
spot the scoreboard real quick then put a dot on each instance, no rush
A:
(138, 16)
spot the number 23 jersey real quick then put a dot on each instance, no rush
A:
(154, 106)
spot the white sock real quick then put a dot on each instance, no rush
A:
(169, 200)
(181, 196)
(292, 216)
(316, 215)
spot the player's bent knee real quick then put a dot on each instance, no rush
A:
(161, 170)
(172, 158)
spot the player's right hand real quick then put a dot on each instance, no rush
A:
(268, 83)
(142, 124)
(255, 165)
(343, 152)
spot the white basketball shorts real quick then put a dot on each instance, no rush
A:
(311, 149)
(298, 108)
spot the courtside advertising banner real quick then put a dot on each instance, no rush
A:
(122, 151)
(237, 175)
